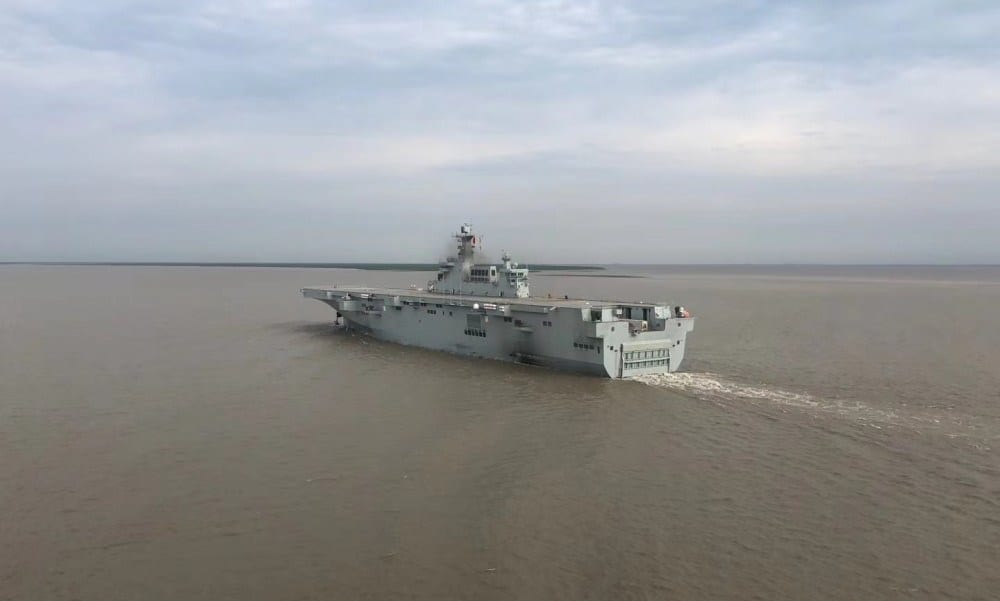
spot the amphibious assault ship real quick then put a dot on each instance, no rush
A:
(486, 310)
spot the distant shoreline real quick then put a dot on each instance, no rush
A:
(362, 266)
(532, 266)
(592, 275)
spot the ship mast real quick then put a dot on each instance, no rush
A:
(467, 243)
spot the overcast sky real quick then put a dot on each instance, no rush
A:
(652, 132)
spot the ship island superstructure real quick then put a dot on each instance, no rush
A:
(486, 310)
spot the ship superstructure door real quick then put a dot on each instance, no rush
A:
(645, 357)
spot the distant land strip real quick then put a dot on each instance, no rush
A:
(364, 266)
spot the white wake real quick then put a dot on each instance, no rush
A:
(711, 387)
(715, 388)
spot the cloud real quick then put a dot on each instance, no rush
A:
(749, 109)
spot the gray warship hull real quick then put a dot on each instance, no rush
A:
(614, 339)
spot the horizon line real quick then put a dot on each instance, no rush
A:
(434, 266)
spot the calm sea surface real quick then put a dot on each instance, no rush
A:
(205, 433)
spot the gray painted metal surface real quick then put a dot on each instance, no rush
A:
(485, 310)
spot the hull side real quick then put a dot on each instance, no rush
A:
(557, 338)
(448, 331)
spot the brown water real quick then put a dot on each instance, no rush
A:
(204, 433)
